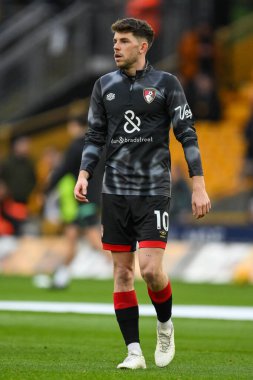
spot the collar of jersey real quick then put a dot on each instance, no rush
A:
(139, 73)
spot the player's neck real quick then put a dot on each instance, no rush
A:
(131, 72)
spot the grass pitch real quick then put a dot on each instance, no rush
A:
(22, 289)
(73, 346)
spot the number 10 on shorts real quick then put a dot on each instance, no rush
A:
(162, 220)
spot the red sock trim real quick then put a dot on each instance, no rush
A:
(152, 244)
(117, 247)
(124, 300)
(162, 295)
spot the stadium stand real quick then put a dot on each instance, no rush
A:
(64, 69)
(222, 162)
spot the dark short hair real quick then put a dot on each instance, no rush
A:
(139, 28)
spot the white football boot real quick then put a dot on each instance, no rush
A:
(165, 348)
(134, 360)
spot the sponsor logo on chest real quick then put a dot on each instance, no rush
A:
(132, 122)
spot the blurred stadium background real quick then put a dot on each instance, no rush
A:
(51, 54)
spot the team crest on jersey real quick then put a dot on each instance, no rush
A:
(149, 94)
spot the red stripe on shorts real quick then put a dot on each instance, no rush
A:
(124, 300)
(117, 247)
(152, 244)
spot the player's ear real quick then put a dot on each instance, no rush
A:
(143, 47)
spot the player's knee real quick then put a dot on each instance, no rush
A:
(149, 274)
(123, 274)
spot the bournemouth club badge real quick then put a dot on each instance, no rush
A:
(149, 94)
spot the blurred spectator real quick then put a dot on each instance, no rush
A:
(151, 11)
(197, 56)
(12, 214)
(181, 195)
(48, 161)
(17, 172)
(188, 55)
(6, 226)
(70, 165)
(197, 52)
(206, 49)
(6, 220)
(75, 216)
(248, 132)
(203, 98)
(248, 162)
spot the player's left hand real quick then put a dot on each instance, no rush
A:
(201, 204)
(80, 190)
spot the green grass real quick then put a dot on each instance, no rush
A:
(50, 346)
(74, 346)
(21, 288)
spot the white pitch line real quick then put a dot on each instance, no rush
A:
(237, 313)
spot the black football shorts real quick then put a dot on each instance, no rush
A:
(127, 220)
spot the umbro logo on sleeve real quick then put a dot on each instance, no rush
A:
(110, 96)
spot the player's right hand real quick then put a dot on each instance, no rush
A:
(80, 190)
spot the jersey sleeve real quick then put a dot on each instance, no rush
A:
(183, 126)
(96, 135)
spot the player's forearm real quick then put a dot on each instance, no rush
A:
(193, 159)
(90, 157)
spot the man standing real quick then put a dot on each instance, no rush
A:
(86, 218)
(19, 176)
(130, 112)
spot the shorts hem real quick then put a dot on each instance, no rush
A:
(152, 244)
(117, 247)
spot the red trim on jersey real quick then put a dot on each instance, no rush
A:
(161, 296)
(117, 247)
(124, 300)
(152, 244)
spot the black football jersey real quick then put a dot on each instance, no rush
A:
(133, 116)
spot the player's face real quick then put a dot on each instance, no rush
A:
(127, 50)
